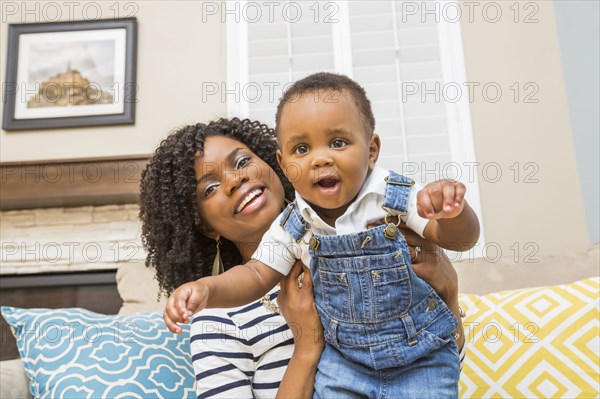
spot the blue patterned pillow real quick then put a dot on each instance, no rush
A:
(75, 353)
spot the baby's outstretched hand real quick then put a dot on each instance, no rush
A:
(186, 300)
(442, 199)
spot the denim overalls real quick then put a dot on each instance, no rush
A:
(387, 332)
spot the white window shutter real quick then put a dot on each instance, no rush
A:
(385, 52)
(281, 51)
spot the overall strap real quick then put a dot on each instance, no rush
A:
(293, 222)
(397, 191)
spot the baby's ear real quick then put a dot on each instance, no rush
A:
(374, 147)
(279, 155)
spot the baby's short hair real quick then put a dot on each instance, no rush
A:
(327, 81)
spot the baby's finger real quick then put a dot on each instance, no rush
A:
(181, 300)
(171, 325)
(436, 196)
(195, 302)
(424, 206)
(173, 314)
(459, 196)
(449, 194)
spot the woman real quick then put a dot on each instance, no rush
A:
(216, 188)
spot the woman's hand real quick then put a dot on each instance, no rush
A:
(297, 306)
(431, 264)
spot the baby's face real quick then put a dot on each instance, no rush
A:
(326, 151)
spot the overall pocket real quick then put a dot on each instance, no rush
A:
(337, 294)
(391, 291)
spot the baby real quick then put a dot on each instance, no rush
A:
(387, 332)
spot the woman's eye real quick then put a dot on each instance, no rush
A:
(338, 143)
(209, 190)
(301, 149)
(243, 161)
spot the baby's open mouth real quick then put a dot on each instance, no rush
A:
(328, 182)
(328, 186)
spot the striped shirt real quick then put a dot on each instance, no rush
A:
(242, 352)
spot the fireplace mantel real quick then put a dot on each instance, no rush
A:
(73, 182)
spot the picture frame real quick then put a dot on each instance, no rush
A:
(70, 74)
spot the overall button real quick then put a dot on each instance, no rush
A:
(431, 305)
(314, 243)
(390, 231)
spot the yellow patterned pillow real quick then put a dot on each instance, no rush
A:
(533, 343)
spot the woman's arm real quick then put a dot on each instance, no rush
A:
(298, 308)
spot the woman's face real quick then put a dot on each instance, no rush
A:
(238, 194)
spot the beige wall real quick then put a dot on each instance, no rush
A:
(176, 54)
(550, 211)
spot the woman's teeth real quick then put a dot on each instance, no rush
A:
(248, 198)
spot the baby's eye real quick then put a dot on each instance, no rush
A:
(338, 143)
(301, 149)
(208, 190)
(242, 161)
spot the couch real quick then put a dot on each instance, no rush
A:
(532, 325)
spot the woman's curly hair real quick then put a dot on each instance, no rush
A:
(171, 233)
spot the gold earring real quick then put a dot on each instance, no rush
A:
(218, 263)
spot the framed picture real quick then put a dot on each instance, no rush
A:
(70, 74)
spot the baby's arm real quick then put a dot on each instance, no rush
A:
(452, 222)
(238, 286)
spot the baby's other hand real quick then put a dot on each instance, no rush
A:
(186, 300)
(442, 199)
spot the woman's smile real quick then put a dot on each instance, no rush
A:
(251, 200)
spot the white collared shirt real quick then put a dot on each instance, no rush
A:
(279, 250)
